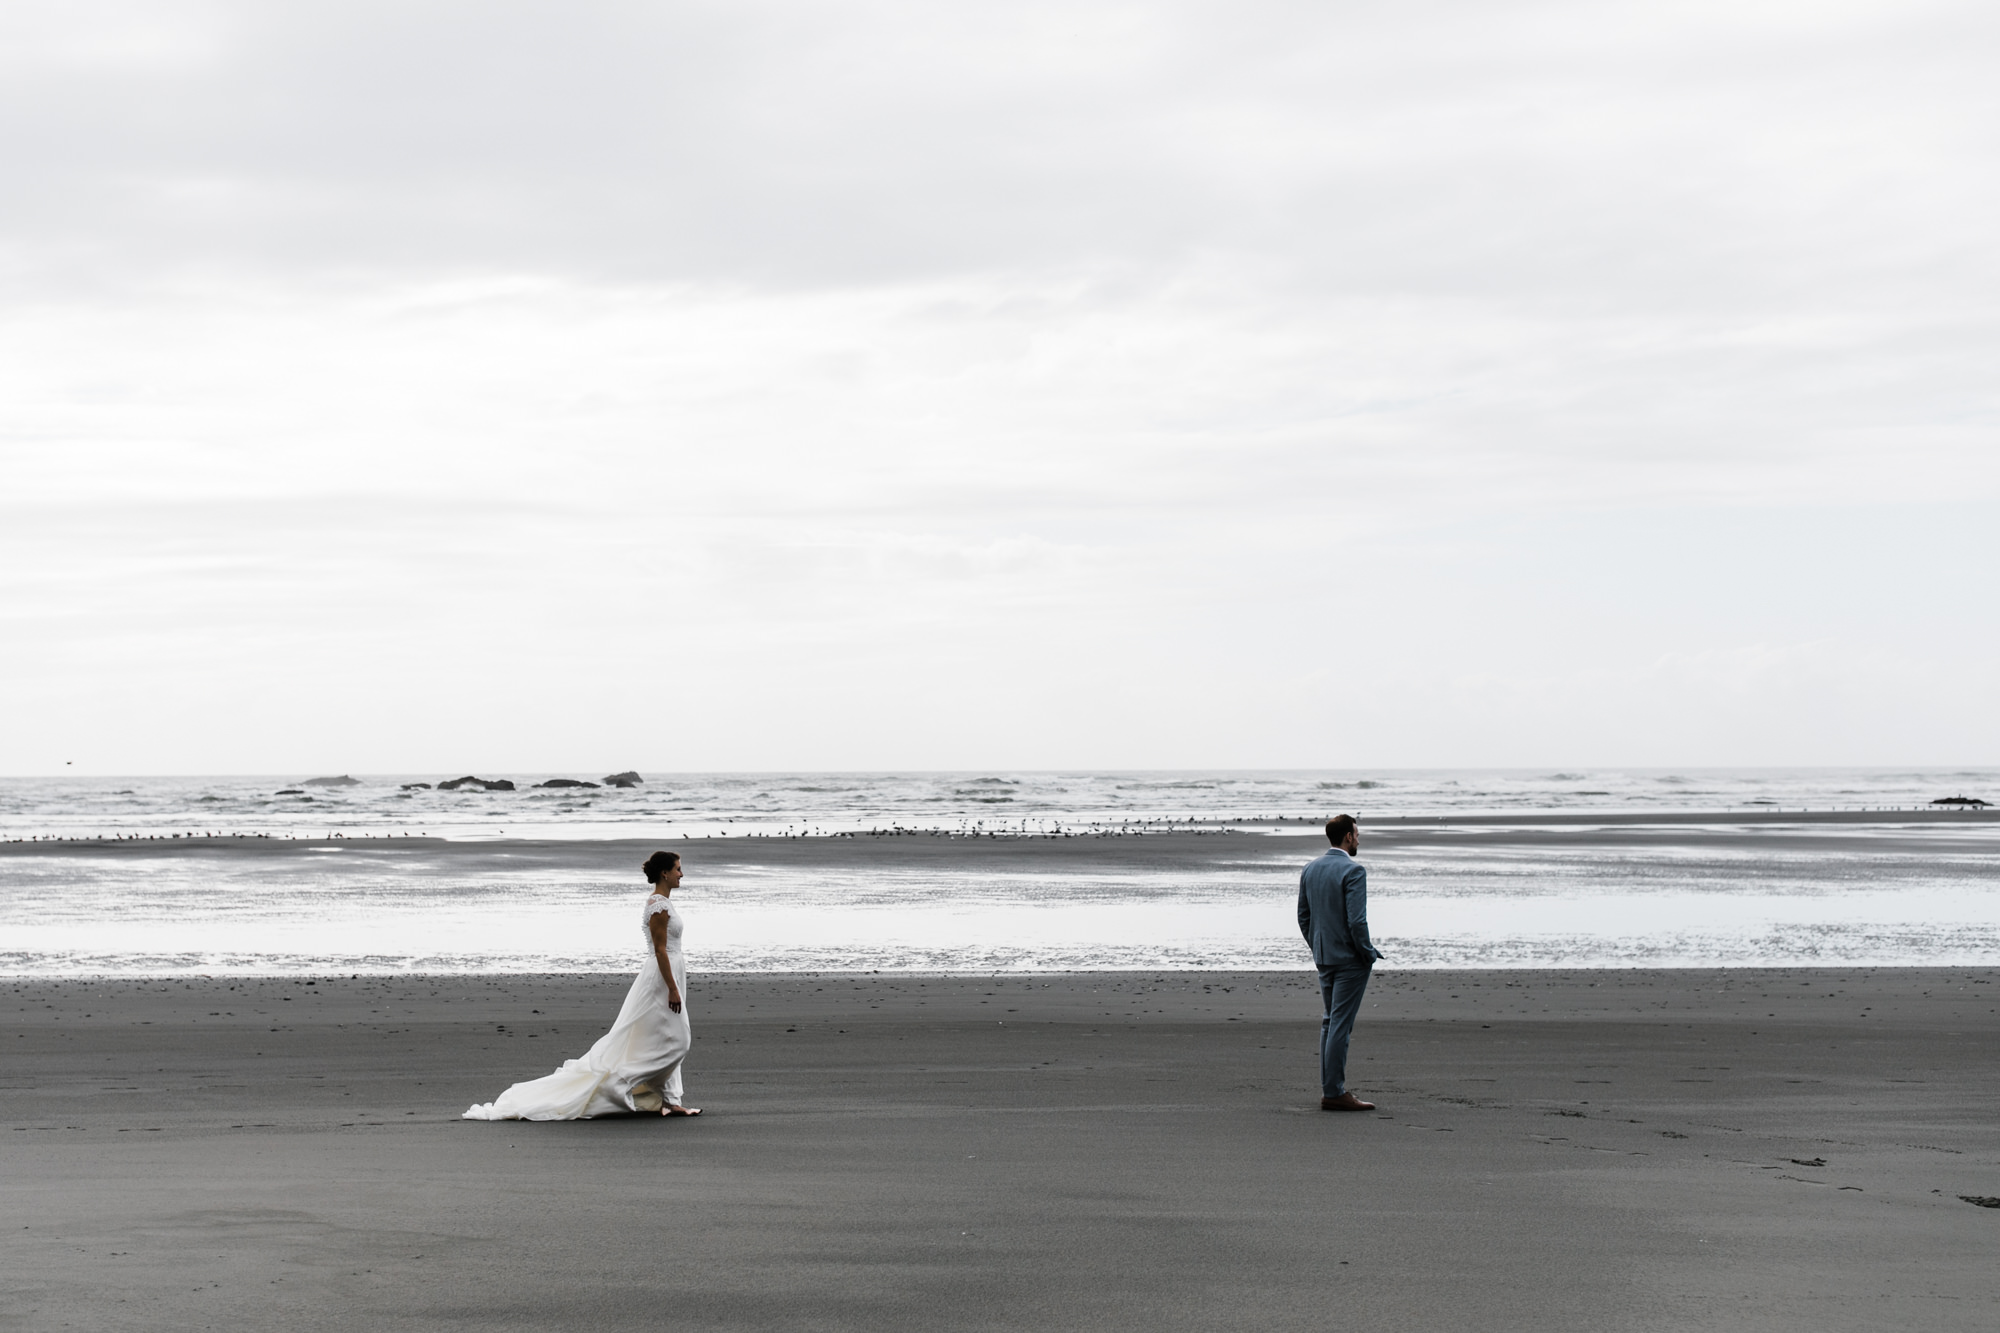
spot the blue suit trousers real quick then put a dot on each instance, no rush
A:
(1340, 991)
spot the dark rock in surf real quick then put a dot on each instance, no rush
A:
(342, 781)
(416, 786)
(567, 782)
(481, 784)
(291, 791)
(626, 779)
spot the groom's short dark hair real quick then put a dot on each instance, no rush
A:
(1339, 827)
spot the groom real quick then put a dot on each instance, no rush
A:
(1333, 914)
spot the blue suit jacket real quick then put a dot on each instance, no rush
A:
(1333, 911)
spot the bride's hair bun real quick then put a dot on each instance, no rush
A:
(658, 864)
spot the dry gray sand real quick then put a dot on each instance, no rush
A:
(1585, 1150)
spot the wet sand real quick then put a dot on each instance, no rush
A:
(1780, 1149)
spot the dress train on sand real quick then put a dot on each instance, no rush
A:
(636, 1066)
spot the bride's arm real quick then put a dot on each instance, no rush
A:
(656, 927)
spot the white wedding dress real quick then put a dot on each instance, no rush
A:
(634, 1067)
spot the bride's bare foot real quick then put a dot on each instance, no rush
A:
(671, 1109)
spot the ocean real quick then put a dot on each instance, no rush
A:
(712, 804)
(993, 871)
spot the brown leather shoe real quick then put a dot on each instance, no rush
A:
(1346, 1101)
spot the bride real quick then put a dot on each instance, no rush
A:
(637, 1065)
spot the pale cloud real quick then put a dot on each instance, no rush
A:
(836, 386)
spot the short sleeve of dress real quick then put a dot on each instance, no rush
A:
(654, 906)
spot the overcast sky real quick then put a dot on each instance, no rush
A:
(419, 387)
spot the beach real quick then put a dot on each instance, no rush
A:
(1743, 1148)
(236, 1066)
(918, 532)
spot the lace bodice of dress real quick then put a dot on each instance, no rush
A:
(654, 906)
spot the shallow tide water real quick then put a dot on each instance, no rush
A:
(1605, 886)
